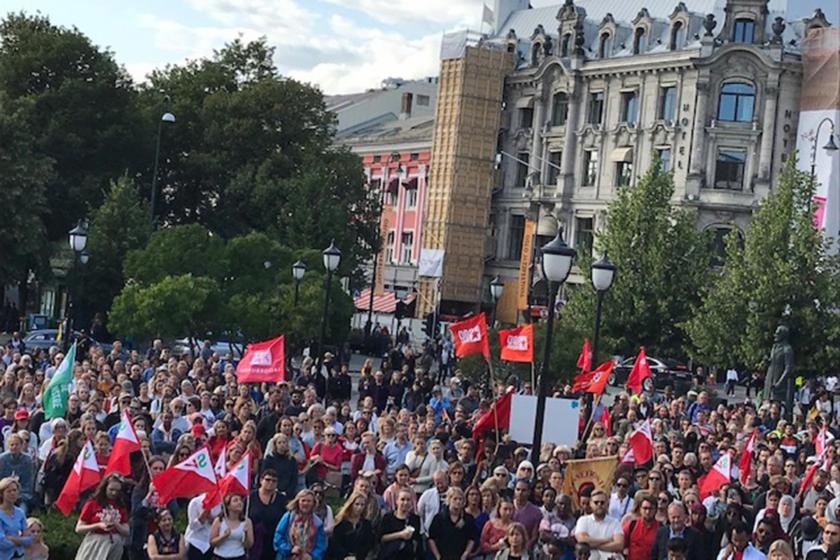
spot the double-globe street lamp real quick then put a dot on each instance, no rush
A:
(298, 270)
(557, 261)
(603, 275)
(78, 240)
(332, 258)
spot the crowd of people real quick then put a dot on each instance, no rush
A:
(384, 465)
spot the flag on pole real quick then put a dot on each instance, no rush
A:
(189, 478)
(745, 464)
(487, 15)
(720, 474)
(640, 372)
(221, 464)
(85, 474)
(594, 381)
(641, 443)
(125, 444)
(498, 410)
(237, 481)
(263, 361)
(517, 344)
(584, 361)
(470, 337)
(57, 392)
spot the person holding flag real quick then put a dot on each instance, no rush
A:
(104, 522)
(57, 391)
(232, 533)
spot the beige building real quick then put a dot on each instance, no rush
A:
(601, 86)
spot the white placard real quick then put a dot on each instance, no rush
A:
(431, 263)
(561, 420)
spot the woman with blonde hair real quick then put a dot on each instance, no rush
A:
(515, 544)
(37, 550)
(780, 550)
(300, 534)
(353, 534)
(12, 518)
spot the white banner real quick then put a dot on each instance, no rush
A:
(431, 263)
(560, 426)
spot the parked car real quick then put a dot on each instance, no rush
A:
(223, 347)
(46, 338)
(664, 371)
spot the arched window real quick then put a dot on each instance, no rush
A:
(605, 45)
(736, 103)
(677, 36)
(564, 46)
(639, 41)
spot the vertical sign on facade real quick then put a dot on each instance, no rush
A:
(379, 288)
(525, 264)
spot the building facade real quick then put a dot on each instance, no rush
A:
(600, 88)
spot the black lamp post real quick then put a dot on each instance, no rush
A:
(298, 270)
(557, 261)
(78, 240)
(168, 118)
(496, 289)
(603, 275)
(332, 258)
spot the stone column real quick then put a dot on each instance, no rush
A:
(535, 161)
(698, 166)
(569, 140)
(765, 154)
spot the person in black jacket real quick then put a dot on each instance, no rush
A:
(677, 527)
(280, 461)
(353, 533)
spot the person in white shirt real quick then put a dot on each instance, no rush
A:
(430, 501)
(199, 522)
(601, 532)
(731, 381)
(620, 501)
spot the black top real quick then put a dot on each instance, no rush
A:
(452, 538)
(265, 518)
(402, 549)
(287, 474)
(348, 540)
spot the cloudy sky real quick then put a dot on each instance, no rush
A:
(341, 45)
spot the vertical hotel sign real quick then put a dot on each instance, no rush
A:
(525, 265)
(379, 288)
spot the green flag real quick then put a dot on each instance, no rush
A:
(58, 390)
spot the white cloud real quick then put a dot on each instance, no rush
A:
(445, 12)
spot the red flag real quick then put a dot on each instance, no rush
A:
(470, 336)
(641, 443)
(745, 464)
(605, 418)
(640, 372)
(237, 481)
(823, 462)
(585, 358)
(85, 474)
(263, 361)
(125, 444)
(487, 422)
(517, 345)
(719, 475)
(189, 478)
(594, 381)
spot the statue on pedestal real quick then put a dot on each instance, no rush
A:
(778, 384)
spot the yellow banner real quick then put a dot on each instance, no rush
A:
(596, 473)
(379, 288)
(525, 264)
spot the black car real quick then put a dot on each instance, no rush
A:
(663, 371)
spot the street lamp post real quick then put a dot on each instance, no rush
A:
(298, 270)
(332, 258)
(496, 289)
(603, 275)
(557, 262)
(78, 240)
(168, 118)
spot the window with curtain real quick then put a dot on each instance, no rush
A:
(729, 169)
(668, 103)
(596, 107)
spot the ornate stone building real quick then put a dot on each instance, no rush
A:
(602, 86)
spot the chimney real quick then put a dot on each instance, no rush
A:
(405, 107)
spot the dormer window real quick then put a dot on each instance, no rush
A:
(604, 45)
(564, 46)
(744, 31)
(639, 40)
(677, 36)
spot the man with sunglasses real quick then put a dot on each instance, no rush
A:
(601, 532)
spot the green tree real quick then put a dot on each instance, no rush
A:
(188, 249)
(782, 274)
(24, 175)
(119, 225)
(663, 262)
(81, 113)
(252, 151)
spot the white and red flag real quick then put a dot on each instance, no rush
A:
(640, 372)
(720, 474)
(641, 443)
(125, 444)
(189, 478)
(517, 344)
(220, 467)
(85, 474)
(470, 337)
(594, 381)
(237, 481)
(745, 464)
(263, 362)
